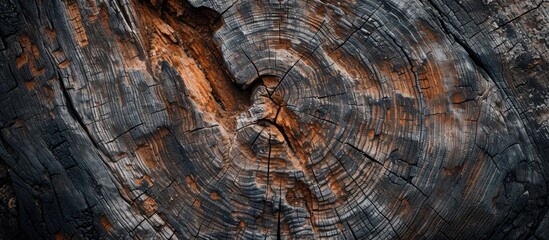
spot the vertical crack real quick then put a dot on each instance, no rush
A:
(72, 110)
(269, 165)
(278, 230)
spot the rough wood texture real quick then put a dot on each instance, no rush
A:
(274, 119)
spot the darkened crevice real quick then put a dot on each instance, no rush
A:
(263, 122)
(201, 18)
(249, 90)
(74, 113)
(474, 56)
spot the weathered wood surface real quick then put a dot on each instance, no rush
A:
(279, 119)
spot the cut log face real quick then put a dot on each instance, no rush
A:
(274, 119)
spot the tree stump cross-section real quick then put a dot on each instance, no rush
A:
(274, 119)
